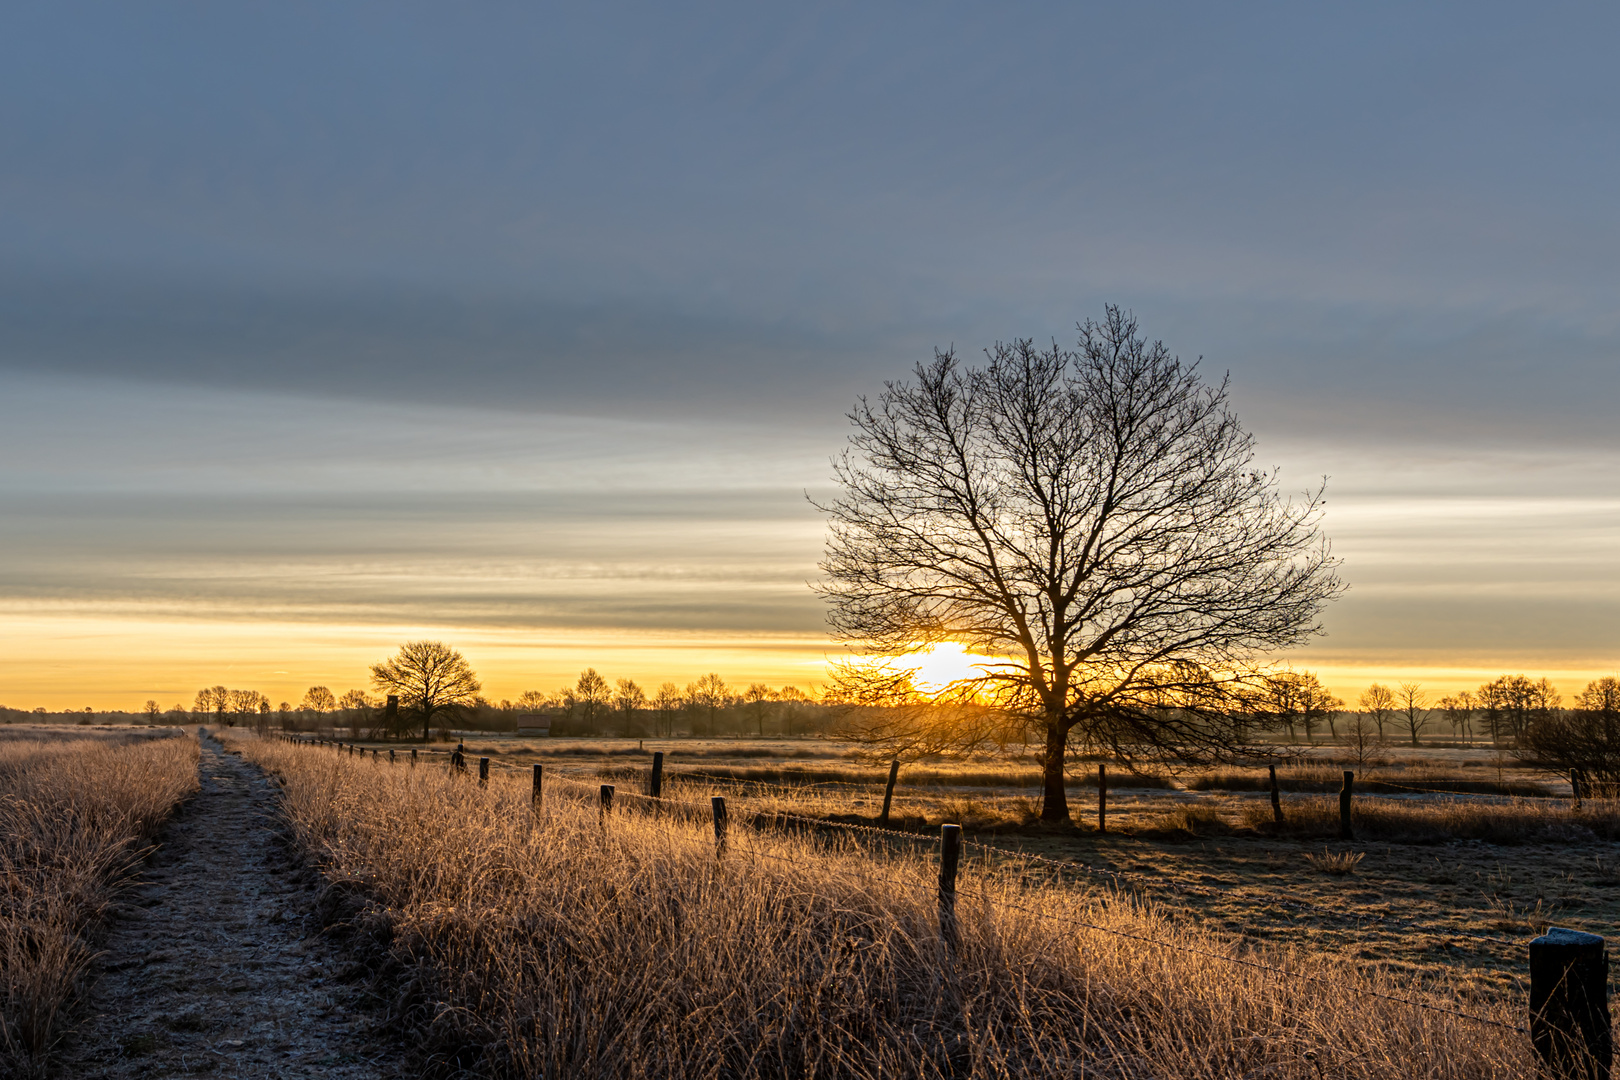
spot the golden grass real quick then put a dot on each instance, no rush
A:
(548, 945)
(72, 821)
(1337, 863)
(1496, 821)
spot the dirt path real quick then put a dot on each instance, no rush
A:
(214, 965)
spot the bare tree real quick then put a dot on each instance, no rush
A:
(429, 677)
(1094, 517)
(667, 702)
(628, 699)
(1586, 737)
(708, 696)
(1378, 702)
(593, 695)
(153, 710)
(1411, 699)
(1459, 710)
(1364, 738)
(1512, 702)
(757, 698)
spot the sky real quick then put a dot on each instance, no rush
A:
(329, 326)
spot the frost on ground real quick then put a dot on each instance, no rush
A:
(214, 963)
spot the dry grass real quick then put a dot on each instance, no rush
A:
(1506, 821)
(1337, 863)
(72, 821)
(547, 945)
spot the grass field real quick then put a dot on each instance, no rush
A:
(78, 806)
(553, 945)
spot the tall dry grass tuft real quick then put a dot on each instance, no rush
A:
(73, 818)
(549, 945)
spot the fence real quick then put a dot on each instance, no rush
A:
(1568, 1017)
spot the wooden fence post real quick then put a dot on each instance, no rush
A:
(888, 791)
(391, 759)
(1569, 1005)
(950, 855)
(1102, 797)
(483, 772)
(1276, 796)
(458, 761)
(413, 757)
(718, 802)
(606, 807)
(534, 795)
(1345, 832)
(656, 786)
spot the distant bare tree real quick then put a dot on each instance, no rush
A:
(430, 678)
(1378, 702)
(756, 699)
(152, 710)
(318, 699)
(1586, 737)
(794, 702)
(708, 695)
(1364, 738)
(1410, 700)
(593, 696)
(1094, 517)
(1459, 710)
(667, 703)
(1511, 702)
(628, 699)
(1299, 697)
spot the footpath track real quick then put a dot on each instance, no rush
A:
(214, 964)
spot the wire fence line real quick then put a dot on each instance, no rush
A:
(1120, 879)
(771, 817)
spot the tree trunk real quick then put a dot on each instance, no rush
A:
(1055, 802)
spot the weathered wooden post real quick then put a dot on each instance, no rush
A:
(458, 762)
(1569, 1005)
(483, 772)
(1276, 796)
(534, 796)
(718, 802)
(1102, 797)
(413, 757)
(655, 786)
(950, 855)
(888, 791)
(1345, 832)
(391, 759)
(606, 807)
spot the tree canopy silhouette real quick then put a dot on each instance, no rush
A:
(430, 678)
(1094, 517)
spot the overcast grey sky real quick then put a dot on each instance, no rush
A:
(298, 285)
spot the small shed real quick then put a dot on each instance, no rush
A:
(533, 725)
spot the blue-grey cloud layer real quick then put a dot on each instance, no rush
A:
(625, 208)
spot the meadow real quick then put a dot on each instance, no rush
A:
(566, 942)
(79, 807)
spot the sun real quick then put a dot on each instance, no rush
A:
(937, 666)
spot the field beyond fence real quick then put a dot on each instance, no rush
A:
(562, 940)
